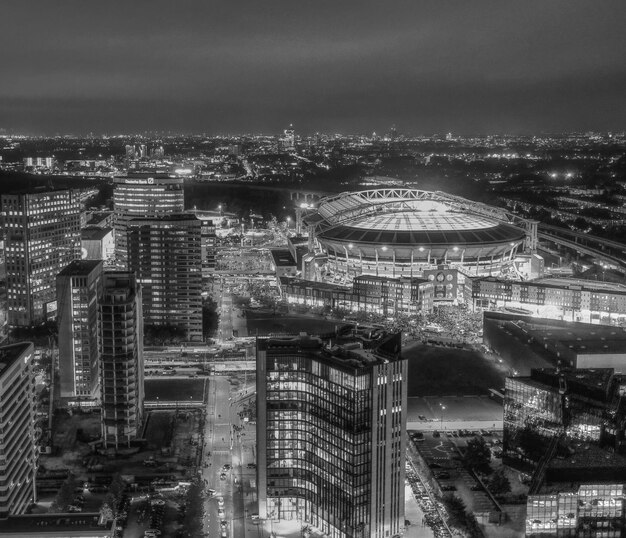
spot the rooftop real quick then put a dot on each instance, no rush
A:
(98, 217)
(94, 233)
(66, 525)
(283, 258)
(80, 268)
(171, 217)
(11, 353)
(350, 355)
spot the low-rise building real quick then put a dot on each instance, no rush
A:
(556, 298)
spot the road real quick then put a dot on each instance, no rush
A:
(231, 318)
(230, 442)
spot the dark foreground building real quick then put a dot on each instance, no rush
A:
(18, 459)
(551, 412)
(330, 431)
(121, 359)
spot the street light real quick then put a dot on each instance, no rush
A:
(443, 408)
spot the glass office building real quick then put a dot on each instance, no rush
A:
(331, 435)
(141, 197)
(42, 236)
(79, 286)
(548, 409)
(592, 510)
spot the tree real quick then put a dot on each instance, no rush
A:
(499, 483)
(192, 522)
(106, 514)
(478, 455)
(65, 495)
(116, 491)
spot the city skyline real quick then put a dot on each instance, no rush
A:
(483, 67)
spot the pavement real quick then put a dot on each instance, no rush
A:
(414, 514)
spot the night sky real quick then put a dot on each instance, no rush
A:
(347, 66)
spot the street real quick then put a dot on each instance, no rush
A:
(229, 442)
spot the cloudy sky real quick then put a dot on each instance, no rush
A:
(225, 66)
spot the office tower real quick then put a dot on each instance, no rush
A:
(97, 244)
(165, 254)
(78, 287)
(331, 434)
(18, 461)
(551, 412)
(289, 139)
(209, 241)
(120, 327)
(130, 151)
(143, 197)
(42, 236)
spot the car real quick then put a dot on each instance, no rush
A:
(224, 534)
(251, 465)
(436, 434)
(210, 492)
(421, 417)
(223, 476)
(74, 508)
(227, 467)
(254, 516)
(220, 512)
(220, 502)
(223, 523)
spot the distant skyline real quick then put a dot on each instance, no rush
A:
(478, 67)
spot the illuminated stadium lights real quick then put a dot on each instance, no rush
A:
(402, 232)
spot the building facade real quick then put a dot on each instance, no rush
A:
(42, 236)
(380, 295)
(79, 286)
(142, 197)
(18, 456)
(165, 254)
(548, 412)
(120, 327)
(556, 298)
(589, 510)
(97, 244)
(331, 435)
(393, 296)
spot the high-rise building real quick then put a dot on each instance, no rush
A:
(79, 286)
(288, 141)
(18, 461)
(165, 254)
(120, 327)
(143, 197)
(42, 236)
(331, 434)
(549, 413)
(208, 221)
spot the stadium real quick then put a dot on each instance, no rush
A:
(403, 232)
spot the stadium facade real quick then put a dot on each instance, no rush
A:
(403, 232)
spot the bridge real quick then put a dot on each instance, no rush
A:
(604, 250)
